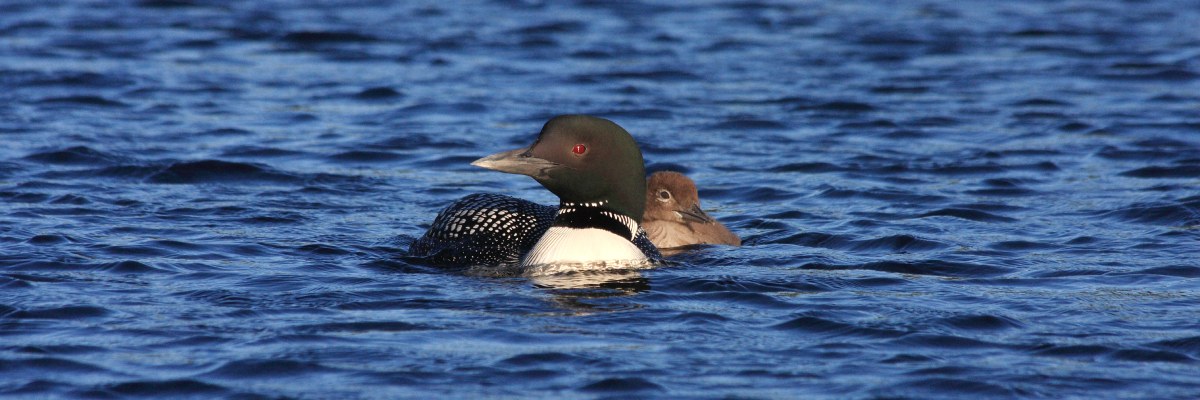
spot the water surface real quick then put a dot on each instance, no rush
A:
(968, 199)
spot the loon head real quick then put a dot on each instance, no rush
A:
(673, 216)
(582, 160)
(671, 196)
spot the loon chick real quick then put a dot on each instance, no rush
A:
(594, 167)
(673, 217)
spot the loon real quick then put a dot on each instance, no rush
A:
(673, 217)
(594, 167)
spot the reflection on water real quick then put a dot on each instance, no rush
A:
(588, 268)
(579, 288)
(674, 251)
(621, 276)
(585, 292)
(626, 281)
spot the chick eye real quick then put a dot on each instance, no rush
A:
(579, 149)
(663, 194)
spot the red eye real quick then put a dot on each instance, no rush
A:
(579, 149)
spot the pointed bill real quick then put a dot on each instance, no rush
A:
(517, 162)
(695, 214)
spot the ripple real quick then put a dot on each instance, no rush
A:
(543, 359)
(1140, 355)
(445, 108)
(958, 386)
(135, 251)
(659, 75)
(49, 365)
(1182, 271)
(890, 195)
(83, 100)
(1073, 351)
(128, 267)
(311, 38)
(756, 194)
(418, 141)
(900, 89)
(323, 249)
(878, 124)
(1014, 245)
(973, 215)
(749, 299)
(8, 282)
(637, 113)
(555, 27)
(217, 297)
(70, 79)
(365, 156)
(700, 319)
(1167, 75)
(1169, 143)
(929, 267)
(1190, 345)
(167, 388)
(225, 132)
(944, 341)
(849, 107)
(1114, 153)
(810, 324)
(749, 124)
(216, 171)
(63, 313)
(24, 197)
(816, 239)
(1003, 192)
(622, 385)
(169, 3)
(981, 322)
(48, 240)
(264, 369)
(1169, 172)
(1185, 212)
(895, 243)
(1041, 102)
(666, 149)
(806, 167)
(1074, 126)
(257, 152)
(75, 155)
(729, 284)
(377, 93)
(364, 326)
(935, 122)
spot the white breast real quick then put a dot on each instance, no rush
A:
(586, 245)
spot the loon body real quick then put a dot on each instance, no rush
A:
(484, 229)
(673, 217)
(594, 167)
(494, 229)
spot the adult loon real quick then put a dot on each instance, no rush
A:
(594, 167)
(673, 217)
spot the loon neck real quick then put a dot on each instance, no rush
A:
(595, 215)
(586, 232)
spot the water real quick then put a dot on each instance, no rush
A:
(938, 200)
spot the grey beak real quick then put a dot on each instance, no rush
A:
(517, 162)
(695, 214)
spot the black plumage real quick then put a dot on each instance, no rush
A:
(493, 230)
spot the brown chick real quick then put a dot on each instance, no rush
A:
(673, 217)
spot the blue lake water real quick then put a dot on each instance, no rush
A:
(938, 200)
